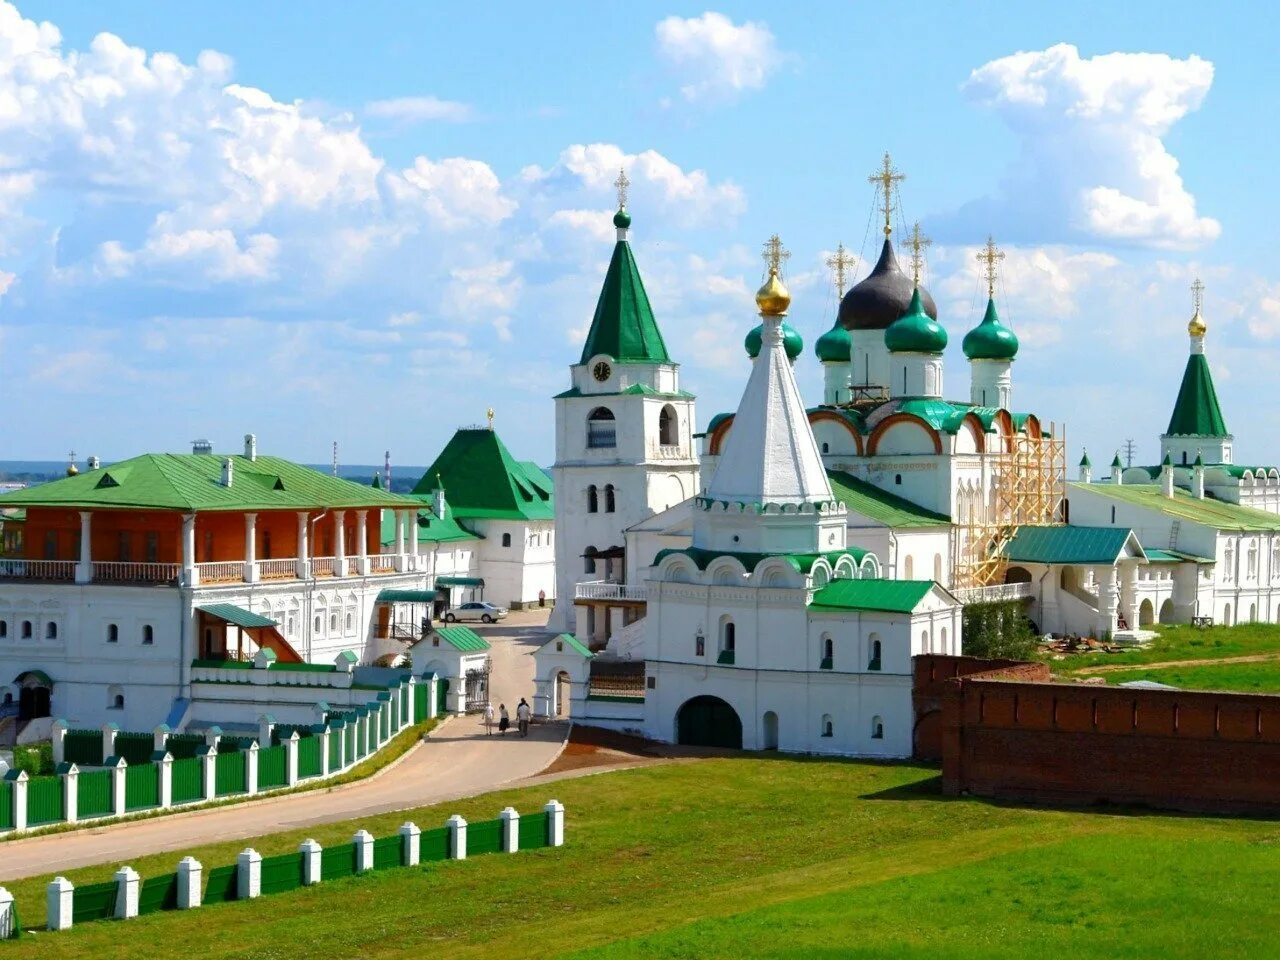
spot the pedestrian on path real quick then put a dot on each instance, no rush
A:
(488, 718)
(523, 713)
(504, 721)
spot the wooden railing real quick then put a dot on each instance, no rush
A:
(382, 563)
(285, 569)
(110, 571)
(38, 570)
(322, 566)
(221, 571)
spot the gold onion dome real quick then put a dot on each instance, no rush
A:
(1197, 327)
(773, 298)
(72, 470)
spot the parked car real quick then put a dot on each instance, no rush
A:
(480, 610)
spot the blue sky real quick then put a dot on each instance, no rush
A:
(370, 222)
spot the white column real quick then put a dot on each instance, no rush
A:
(266, 724)
(8, 914)
(339, 543)
(555, 823)
(1108, 601)
(363, 841)
(400, 525)
(304, 550)
(58, 903)
(109, 731)
(209, 765)
(84, 569)
(248, 874)
(160, 737)
(190, 572)
(510, 830)
(118, 775)
(324, 750)
(251, 769)
(431, 696)
(59, 741)
(412, 838)
(291, 759)
(411, 524)
(362, 534)
(70, 793)
(165, 775)
(457, 828)
(189, 876)
(19, 797)
(310, 851)
(250, 548)
(127, 883)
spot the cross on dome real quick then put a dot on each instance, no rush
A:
(917, 241)
(989, 257)
(886, 178)
(775, 254)
(621, 185)
(839, 262)
(1197, 294)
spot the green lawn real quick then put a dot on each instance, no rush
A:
(1187, 643)
(1262, 677)
(752, 857)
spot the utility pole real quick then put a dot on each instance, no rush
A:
(1128, 452)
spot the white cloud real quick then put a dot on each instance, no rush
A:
(455, 192)
(1264, 320)
(716, 58)
(1092, 163)
(409, 110)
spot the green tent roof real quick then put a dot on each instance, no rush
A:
(482, 479)
(1062, 544)
(572, 642)
(893, 596)
(880, 505)
(1196, 412)
(623, 326)
(236, 615)
(193, 481)
(463, 638)
(1182, 506)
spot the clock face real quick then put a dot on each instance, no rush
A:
(601, 371)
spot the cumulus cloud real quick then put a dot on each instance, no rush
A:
(1092, 164)
(715, 58)
(410, 110)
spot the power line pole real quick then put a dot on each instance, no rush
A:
(1128, 452)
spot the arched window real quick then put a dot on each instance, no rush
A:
(115, 697)
(602, 429)
(319, 623)
(333, 623)
(351, 622)
(897, 479)
(506, 539)
(589, 560)
(828, 729)
(593, 499)
(148, 635)
(944, 640)
(877, 728)
(4, 629)
(826, 447)
(26, 630)
(908, 568)
(51, 630)
(668, 427)
(113, 633)
(1229, 558)
(728, 635)
(874, 662)
(609, 502)
(924, 641)
(1253, 559)
(828, 653)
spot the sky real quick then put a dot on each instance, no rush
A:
(368, 223)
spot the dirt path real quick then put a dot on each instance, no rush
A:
(1116, 667)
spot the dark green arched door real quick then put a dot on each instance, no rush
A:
(442, 696)
(708, 722)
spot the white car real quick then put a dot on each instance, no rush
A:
(480, 610)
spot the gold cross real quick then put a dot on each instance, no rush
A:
(918, 242)
(621, 184)
(489, 414)
(989, 257)
(886, 178)
(1197, 294)
(839, 262)
(775, 255)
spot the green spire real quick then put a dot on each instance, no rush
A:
(792, 342)
(1199, 461)
(1084, 461)
(1196, 412)
(1116, 463)
(1167, 461)
(623, 326)
(915, 331)
(377, 481)
(991, 339)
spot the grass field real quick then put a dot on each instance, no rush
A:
(1187, 643)
(1261, 677)
(773, 857)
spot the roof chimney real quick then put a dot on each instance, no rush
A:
(250, 447)
(227, 472)
(201, 446)
(94, 463)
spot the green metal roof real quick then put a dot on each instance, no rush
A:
(569, 640)
(635, 390)
(193, 482)
(893, 596)
(1173, 556)
(792, 342)
(1183, 506)
(236, 615)
(915, 331)
(1238, 470)
(1196, 412)
(460, 581)
(406, 596)
(431, 529)
(623, 326)
(483, 480)
(463, 638)
(1062, 544)
(802, 562)
(879, 505)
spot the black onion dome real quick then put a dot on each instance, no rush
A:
(882, 297)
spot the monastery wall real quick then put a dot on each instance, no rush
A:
(931, 680)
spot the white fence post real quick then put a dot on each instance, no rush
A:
(555, 823)
(212, 736)
(109, 731)
(58, 903)
(208, 770)
(324, 751)
(160, 738)
(310, 851)
(165, 774)
(363, 841)
(70, 793)
(266, 727)
(127, 882)
(118, 774)
(510, 830)
(431, 696)
(457, 828)
(248, 874)
(59, 743)
(291, 760)
(411, 852)
(251, 769)
(19, 781)
(7, 914)
(189, 890)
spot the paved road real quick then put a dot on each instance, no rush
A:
(458, 760)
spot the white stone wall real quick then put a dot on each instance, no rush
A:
(516, 560)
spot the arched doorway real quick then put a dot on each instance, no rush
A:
(769, 740)
(562, 693)
(35, 693)
(1017, 575)
(708, 722)
(442, 696)
(1166, 612)
(1146, 613)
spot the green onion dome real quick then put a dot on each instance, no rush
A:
(834, 346)
(792, 342)
(622, 219)
(991, 339)
(915, 331)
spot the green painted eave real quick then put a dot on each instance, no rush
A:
(236, 615)
(635, 390)
(483, 481)
(879, 505)
(1174, 556)
(572, 642)
(889, 596)
(624, 327)
(1196, 412)
(431, 529)
(1215, 514)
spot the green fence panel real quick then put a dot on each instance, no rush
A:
(6, 805)
(442, 696)
(335, 749)
(309, 758)
(420, 693)
(95, 901)
(281, 874)
(338, 862)
(273, 768)
(388, 852)
(44, 800)
(142, 787)
(404, 705)
(221, 885)
(188, 780)
(484, 837)
(434, 845)
(93, 794)
(350, 748)
(83, 748)
(371, 733)
(183, 746)
(136, 748)
(229, 774)
(158, 893)
(533, 831)
(385, 714)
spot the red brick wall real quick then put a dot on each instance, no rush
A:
(932, 676)
(1084, 744)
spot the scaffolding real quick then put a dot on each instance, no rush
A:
(1027, 487)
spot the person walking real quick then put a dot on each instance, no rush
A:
(488, 718)
(523, 713)
(504, 721)
(542, 598)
